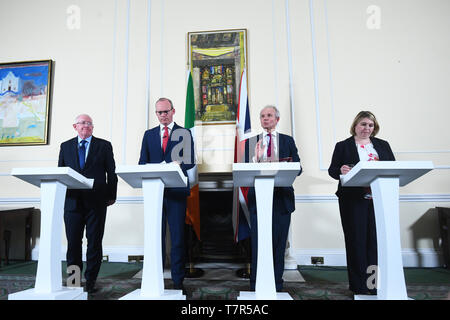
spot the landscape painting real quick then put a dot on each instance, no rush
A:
(25, 89)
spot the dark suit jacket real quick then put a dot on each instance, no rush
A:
(180, 148)
(346, 152)
(283, 197)
(99, 166)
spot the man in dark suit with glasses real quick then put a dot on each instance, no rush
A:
(86, 209)
(166, 143)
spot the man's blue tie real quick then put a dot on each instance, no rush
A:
(82, 153)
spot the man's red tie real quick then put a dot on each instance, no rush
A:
(269, 147)
(165, 138)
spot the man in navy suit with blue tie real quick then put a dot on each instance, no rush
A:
(86, 209)
(166, 143)
(272, 146)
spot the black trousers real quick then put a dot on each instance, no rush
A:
(93, 220)
(358, 223)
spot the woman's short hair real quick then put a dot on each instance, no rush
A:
(365, 114)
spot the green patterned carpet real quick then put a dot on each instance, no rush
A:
(321, 283)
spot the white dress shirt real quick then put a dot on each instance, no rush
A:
(161, 128)
(87, 145)
(265, 145)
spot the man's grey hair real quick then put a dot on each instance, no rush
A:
(277, 112)
(80, 115)
(164, 99)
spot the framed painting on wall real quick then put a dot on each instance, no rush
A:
(217, 60)
(25, 92)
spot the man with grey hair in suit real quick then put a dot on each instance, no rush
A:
(272, 146)
(86, 209)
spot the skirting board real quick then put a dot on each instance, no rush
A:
(412, 258)
(425, 257)
(299, 198)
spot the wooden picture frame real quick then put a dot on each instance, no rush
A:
(216, 61)
(25, 94)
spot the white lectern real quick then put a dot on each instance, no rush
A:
(384, 178)
(152, 178)
(264, 177)
(53, 183)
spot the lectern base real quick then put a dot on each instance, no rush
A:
(251, 295)
(167, 295)
(65, 293)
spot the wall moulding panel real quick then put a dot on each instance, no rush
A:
(336, 103)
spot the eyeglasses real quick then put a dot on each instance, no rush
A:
(85, 123)
(165, 112)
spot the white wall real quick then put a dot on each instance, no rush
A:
(344, 56)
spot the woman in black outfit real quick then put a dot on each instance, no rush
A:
(355, 203)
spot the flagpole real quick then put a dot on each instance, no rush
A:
(243, 132)
(193, 201)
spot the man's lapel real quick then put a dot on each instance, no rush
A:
(155, 144)
(281, 146)
(91, 153)
(74, 153)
